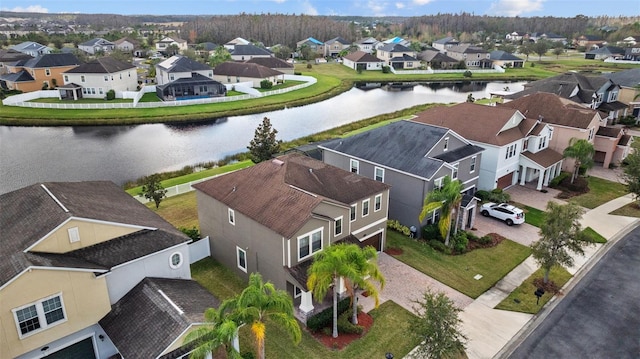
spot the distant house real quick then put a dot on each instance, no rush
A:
(44, 71)
(31, 48)
(516, 36)
(445, 43)
(180, 78)
(516, 147)
(95, 78)
(549, 36)
(632, 53)
(413, 158)
(437, 60)
(303, 207)
(605, 52)
(367, 44)
(248, 52)
(629, 82)
(589, 42)
(631, 40)
(235, 72)
(360, 60)
(395, 40)
(231, 44)
(126, 44)
(167, 41)
(273, 63)
(398, 56)
(206, 49)
(10, 57)
(335, 46)
(505, 59)
(472, 56)
(316, 46)
(97, 46)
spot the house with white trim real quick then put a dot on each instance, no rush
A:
(95, 78)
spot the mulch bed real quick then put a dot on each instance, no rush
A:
(339, 343)
(549, 287)
(495, 240)
(392, 251)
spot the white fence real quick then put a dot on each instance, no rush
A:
(430, 71)
(614, 61)
(199, 250)
(29, 96)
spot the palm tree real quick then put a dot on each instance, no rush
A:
(325, 271)
(582, 152)
(365, 262)
(260, 301)
(220, 332)
(447, 199)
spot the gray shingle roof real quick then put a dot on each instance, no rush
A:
(96, 41)
(245, 69)
(250, 50)
(180, 63)
(11, 55)
(103, 65)
(395, 48)
(503, 55)
(20, 76)
(361, 56)
(144, 323)
(627, 78)
(51, 60)
(270, 62)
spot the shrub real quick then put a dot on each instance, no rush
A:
(472, 237)
(345, 325)
(627, 120)
(439, 246)
(192, 233)
(484, 240)
(385, 69)
(395, 225)
(459, 242)
(499, 196)
(309, 66)
(297, 73)
(248, 355)
(111, 94)
(483, 195)
(325, 317)
(467, 74)
(266, 84)
(431, 231)
(557, 180)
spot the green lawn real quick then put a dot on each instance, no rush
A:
(595, 236)
(524, 293)
(600, 192)
(629, 210)
(533, 216)
(181, 210)
(458, 271)
(389, 333)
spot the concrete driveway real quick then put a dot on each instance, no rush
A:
(524, 233)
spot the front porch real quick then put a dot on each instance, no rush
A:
(541, 167)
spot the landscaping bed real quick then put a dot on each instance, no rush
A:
(523, 299)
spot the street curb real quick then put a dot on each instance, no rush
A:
(538, 318)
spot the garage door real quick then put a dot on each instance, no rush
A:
(505, 181)
(375, 242)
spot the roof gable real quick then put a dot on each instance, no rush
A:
(179, 63)
(245, 69)
(103, 65)
(52, 60)
(553, 109)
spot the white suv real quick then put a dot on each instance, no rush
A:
(509, 214)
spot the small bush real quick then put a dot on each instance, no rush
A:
(467, 74)
(111, 94)
(248, 355)
(345, 325)
(459, 242)
(627, 120)
(483, 195)
(385, 69)
(557, 180)
(325, 317)
(499, 196)
(472, 237)
(297, 73)
(266, 84)
(309, 66)
(439, 246)
(395, 225)
(431, 231)
(192, 233)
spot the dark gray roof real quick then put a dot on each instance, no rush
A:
(627, 78)
(393, 47)
(11, 55)
(195, 78)
(250, 50)
(563, 85)
(503, 55)
(245, 69)
(338, 39)
(208, 46)
(607, 50)
(403, 58)
(30, 213)
(182, 64)
(20, 76)
(445, 40)
(96, 41)
(51, 60)
(401, 145)
(270, 62)
(103, 65)
(459, 153)
(361, 56)
(144, 323)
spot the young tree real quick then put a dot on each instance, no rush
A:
(582, 152)
(264, 144)
(365, 261)
(560, 236)
(219, 332)
(220, 55)
(540, 48)
(558, 49)
(525, 48)
(152, 189)
(437, 327)
(631, 170)
(447, 199)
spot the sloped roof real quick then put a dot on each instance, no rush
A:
(51, 60)
(564, 85)
(394, 40)
(245, 69)
(435, 56)
(20, 76)
(403, 58)
(467, 49)
(393, 47)
(291, 186)
(145, 322)
(11, 55)
(270, 62)
(103, 65)
(544, 158)
(250, 49)
(367, 40)
(553, 109)
(339, 40)
(126, 39)
(503, 55)
(30, 213)
(626, 78)
(208, 46)
(445, 40)
(361, 56)
(28, 46)
(402, 145)
(179, 63)
(315, 41)
(607, 50)
(96, 41)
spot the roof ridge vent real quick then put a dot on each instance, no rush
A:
(277, 162)
(54, 197)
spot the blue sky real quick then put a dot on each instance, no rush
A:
(560, 8)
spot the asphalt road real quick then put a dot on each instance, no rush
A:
(600, 316)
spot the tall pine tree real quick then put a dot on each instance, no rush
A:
(264, 144)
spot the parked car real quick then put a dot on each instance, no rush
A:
(508, 213)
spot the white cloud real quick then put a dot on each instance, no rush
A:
(31, 8)
(309, 9)
(515, 7)
(377, 8)
(400, 5)
(421, 2)
(279, 1)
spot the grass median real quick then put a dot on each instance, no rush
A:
(522, 299)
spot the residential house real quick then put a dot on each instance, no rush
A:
(273, 63)
(589, 42)
(413, 158)
(126, 45)
(570, 120)
(367, 44)
(472, 56)
(516, 147)
(631, 40)
(516, 36)
(361, 60)
(273, 217)
(596, 92)
(395, 40)
(231, 44)
(180, 78)
(549, 36)
(97, 46)
(437, 60)
(629, 82)
(10, 57)
(335, 46)
(31, 48)
(605, 52)
(95, 78)
(236, 72)
(398, 56)
(206, 49)
(632, 53)
(445, 43)
(77, 254)
(505, 59)
(42, 72)
(248, 52)
(316, 46)
(167, 41)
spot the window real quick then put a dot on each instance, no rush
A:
(171, 77)
(437, 183)
(297, 292)
(446, 143)
(365, 208)
(74, 235)
(66, 78)
(543, 142)
(355, 166)
(352, 214)
(379, 174)
(232, 217)
(591, 132)
(337, 229)
(511, 151)
(106, 78)
(40, 315)
(454, 173)
(309, 243)
(175, 260)
(242, 259)
(377, 203)
(82, 78)
(472, 166)
(47, 72)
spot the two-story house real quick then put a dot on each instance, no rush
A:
(413, 158)
(589, 42)
(398, 56)
(248, 52)
(445, 43)
(231, 44)
(335, 46)
(230, 72)
(316, 46)
(126, 45)
(180, 78)
(97, 46)
(272, 217)
(368, 44)
(90, 272)
(32, 49)
(95, 78)
(516, 147)
(163, 45)
(472, 56)
(629, 82)
(42, 72)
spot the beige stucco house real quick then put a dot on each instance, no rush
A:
(237, 72)
(95, 78)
